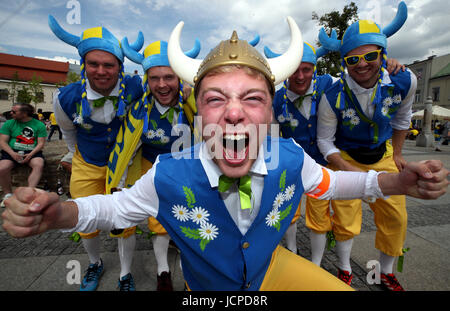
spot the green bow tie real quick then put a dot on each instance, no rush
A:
(245, 189)
(169, 113)
(100, 102)
(299, 101)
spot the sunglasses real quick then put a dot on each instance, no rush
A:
(369, 57)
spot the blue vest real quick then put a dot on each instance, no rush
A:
(95, 141)
(223, 262)
(302, 130)
(354, 128)
(159, 139)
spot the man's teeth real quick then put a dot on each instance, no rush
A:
(234, 136)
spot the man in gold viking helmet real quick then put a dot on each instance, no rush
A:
(222, 203)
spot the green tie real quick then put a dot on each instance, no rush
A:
(100, 102)
(245, 189)
(169, 113)
(299, 101)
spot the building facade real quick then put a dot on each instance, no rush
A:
(433, 79)
(20, 70)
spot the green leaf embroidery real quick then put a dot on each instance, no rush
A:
(154, 124)
(190, 198)
(277, 226)
(203, 243)
(286, 212)
(283, 181)
(191, 233)
(129, 98)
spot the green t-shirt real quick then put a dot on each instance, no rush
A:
(23, 135)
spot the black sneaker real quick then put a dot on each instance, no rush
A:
(126, 283)
(164, 282)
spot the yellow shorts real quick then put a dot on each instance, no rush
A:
(88, 179)
(153, 224)
(390, 215)
(290, 272)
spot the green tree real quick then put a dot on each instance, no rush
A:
(13, 88)
(330, 63)
(24, 95)
(36, 91)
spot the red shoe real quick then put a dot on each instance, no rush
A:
(345, 276)
(391, 283)
(164, 282)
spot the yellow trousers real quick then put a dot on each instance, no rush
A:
(290, 272)
(153, 224)
(390, 215)
(88, 179)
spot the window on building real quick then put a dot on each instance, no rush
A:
(436, 94)
(4, 94)
(417, 97)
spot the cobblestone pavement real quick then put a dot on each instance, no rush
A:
(56, 243)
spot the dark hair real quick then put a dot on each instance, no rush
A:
(27, 108)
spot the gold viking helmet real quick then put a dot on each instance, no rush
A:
(236, 52)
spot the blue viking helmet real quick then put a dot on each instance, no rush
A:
(310, 54)
(155, 54)
(364, 32)
(96, 38)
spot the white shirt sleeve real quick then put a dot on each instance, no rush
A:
(402, 119)
(322, 183)
(65, 124)
(122, 209)
(326, 128)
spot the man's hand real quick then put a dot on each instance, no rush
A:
(393, 66)
(400, 162)
(31, 211)
(423, 180)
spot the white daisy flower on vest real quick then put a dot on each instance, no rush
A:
(385, 110)
(350, 113)
(208, 231)
(160, 133)
(397, 99)
(150, 134)
(388, 101)
(294, 122)
(354, 120)
(289, 192)
(273, 217)
(165, 139)
(199, 215)
(281, 118)
(180, 212)
(279, 199)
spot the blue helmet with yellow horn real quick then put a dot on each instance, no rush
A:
(96, 38)
(364, 32)
(155, 54)
(310, 55)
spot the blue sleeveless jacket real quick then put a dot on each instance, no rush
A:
(95, 141)
(297, 126)
(219, 256)
(159, 139)
(354, 128)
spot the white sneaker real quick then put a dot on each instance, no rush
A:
(4, 198)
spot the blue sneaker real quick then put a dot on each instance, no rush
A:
(92, 276)
(126, 283)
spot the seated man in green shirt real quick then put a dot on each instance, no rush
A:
(21, 142)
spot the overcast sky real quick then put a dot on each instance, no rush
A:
(24, 29)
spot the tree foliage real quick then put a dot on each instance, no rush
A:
(330, 63)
